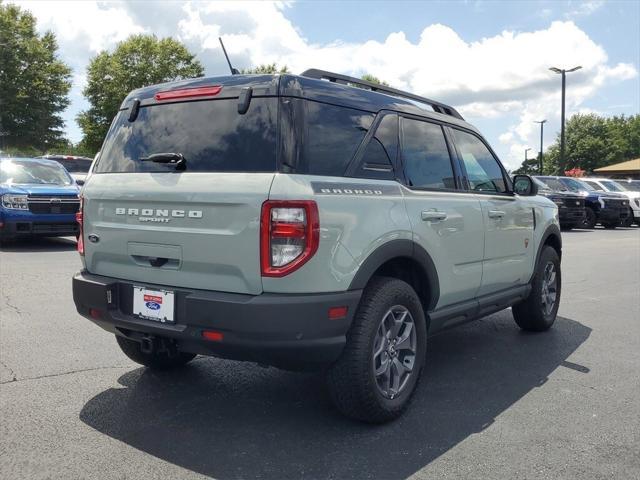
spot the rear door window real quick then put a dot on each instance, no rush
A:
(425, 156)
(211, 135)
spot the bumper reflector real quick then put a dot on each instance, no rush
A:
(336, 313)
(211, 335)
(95, 313)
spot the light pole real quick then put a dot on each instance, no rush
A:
(526, 160)
(541, 122)
(563, 72)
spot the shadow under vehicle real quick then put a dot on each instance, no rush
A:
(222, 419)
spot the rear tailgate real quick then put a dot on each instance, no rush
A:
(198, 230)
(194, 224)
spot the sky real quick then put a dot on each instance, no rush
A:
(489, 59)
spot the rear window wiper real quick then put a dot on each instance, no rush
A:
(171, 158)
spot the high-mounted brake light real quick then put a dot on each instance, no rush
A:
(289, 235)
(80, 220)
(189, 93)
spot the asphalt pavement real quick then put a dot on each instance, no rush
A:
(493, 403)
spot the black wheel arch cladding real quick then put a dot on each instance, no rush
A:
(396, 250)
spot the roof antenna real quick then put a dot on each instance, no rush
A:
(233, 70)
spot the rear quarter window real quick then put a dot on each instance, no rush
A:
(211, 135)
(321, 139)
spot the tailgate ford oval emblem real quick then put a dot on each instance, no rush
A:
(93, 238)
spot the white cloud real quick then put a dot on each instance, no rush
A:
(98, 25)
(504, 76)
(506, 137)
(584, 8)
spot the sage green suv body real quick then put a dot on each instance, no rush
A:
(307, 224)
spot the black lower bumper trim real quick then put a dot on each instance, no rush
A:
(39, 229)
(289, 331)
(610, 215)
(571, 216)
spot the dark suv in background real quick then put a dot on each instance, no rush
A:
(571, 207)
(606, 208)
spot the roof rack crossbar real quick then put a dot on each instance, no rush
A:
(375, 87)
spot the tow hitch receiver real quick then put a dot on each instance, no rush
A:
(150, 344)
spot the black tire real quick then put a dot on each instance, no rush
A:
(589, 218)
(610, 226)
(566, 227)
(627, 222)
(352, 382)
(155, 361)
(531, 314)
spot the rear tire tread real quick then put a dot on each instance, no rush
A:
(350, 382)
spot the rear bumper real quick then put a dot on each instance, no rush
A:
(288, 331)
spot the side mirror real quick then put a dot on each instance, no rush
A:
(524, 185)
(79, 182)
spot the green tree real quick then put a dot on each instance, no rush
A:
(139, 61)
(593, 141)
(266, 69)
(373, 79)
(34, 83)
(528, 167)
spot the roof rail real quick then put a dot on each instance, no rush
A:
(346, 80)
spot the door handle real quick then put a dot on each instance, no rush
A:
(433, 216)
(496, 214)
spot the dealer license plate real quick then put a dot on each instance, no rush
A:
(157, 305)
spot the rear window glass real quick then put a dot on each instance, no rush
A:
(327, 136)
(211, 135)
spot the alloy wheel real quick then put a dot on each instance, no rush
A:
(549, 288)
(394, 351)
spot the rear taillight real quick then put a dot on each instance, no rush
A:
(289, 235)
(80, 220)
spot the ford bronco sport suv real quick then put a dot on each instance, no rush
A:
(301, 222)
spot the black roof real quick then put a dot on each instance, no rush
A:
(315, 85)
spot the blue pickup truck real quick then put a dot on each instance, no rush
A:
(38, 198)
